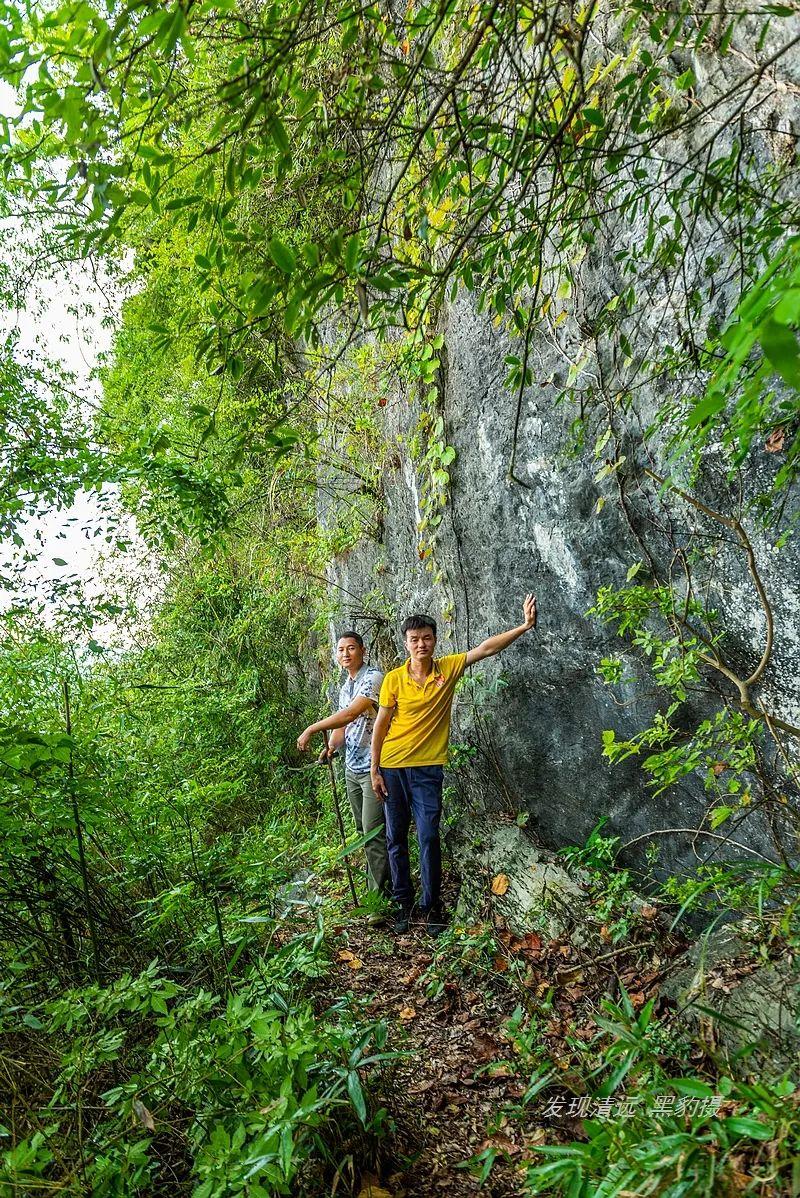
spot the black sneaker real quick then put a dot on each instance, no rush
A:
(435, 922)
(402, 919)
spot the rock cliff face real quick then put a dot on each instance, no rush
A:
(501, 537)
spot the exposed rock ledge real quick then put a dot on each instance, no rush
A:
(754, 998)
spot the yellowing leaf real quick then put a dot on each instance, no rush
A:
(371, 1189)
(500, 884)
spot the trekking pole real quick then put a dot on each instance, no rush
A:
(341, 821)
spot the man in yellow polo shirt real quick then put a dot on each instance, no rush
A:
(409, 752)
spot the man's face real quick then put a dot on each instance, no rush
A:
(420, 643)
(349, 654)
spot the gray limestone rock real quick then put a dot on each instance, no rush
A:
(541, 530)
(737, 1000)
(540, 896)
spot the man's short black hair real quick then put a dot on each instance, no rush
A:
(418, 620)
(349, 635)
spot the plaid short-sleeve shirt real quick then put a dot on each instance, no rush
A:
(358, 734)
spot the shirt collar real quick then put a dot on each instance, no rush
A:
(435, 670)
(352, 681)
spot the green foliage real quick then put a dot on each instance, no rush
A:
(250, 1084)
(45, 454)
(615, 902)
(273, 183)
(182, 764)
(677, 1137)
(756, 379)
(216, 121)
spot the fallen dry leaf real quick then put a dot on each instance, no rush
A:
(566, 976)
(500, 884)
(775, 441)
(371, 1188)
(501, 1142)
(498, 1071)
(501, 965)
(486, 1049)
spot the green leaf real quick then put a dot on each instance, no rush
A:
(743, 1125)
(282, 255)
(691, 1085)
(781, 349)
(787, 310)
(351, 253)
(356, 1092)
(705, 408)
(594, 116)
(353, 845)
(280, 136)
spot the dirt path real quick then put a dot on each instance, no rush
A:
(445, 1095)
(461, 1094)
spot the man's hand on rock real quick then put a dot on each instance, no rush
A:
(529, 611)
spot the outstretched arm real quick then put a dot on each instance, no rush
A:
(339, 719)
(496, 644)
(381, 727)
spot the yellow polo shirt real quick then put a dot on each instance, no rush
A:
(420, 727)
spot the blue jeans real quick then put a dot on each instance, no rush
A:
(414, 791)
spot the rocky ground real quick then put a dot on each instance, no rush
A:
(456, 1099)
(512, 992)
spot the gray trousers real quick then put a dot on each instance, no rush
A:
(368, 814)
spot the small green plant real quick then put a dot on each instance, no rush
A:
(460, 953)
